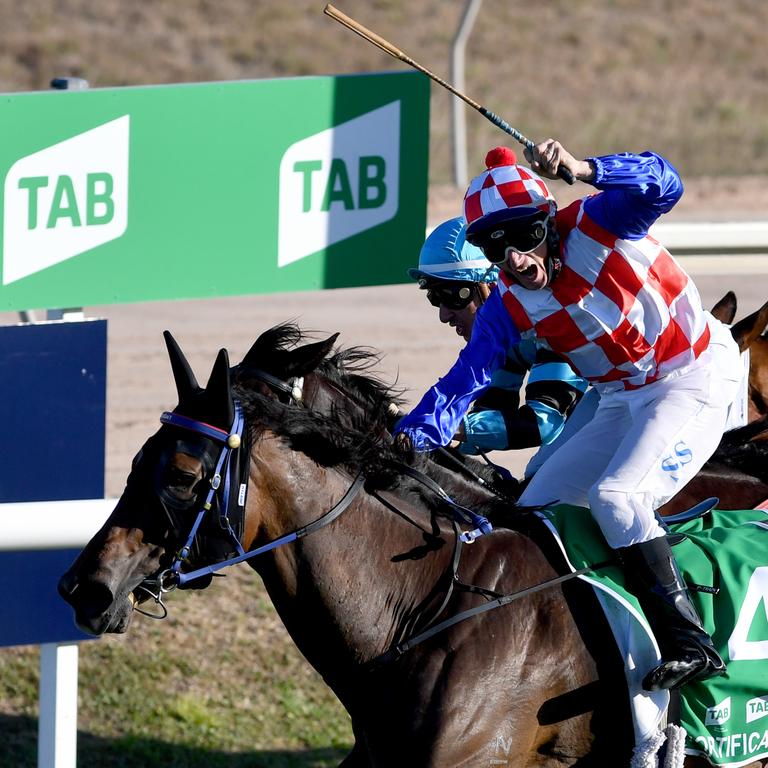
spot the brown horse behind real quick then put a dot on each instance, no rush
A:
(737, 473)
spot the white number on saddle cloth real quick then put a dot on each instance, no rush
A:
(739, 648)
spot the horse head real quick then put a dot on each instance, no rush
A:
(119, 567)
(749, 334)
(204, 492)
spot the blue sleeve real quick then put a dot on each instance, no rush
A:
(637, 189)
(434, 421)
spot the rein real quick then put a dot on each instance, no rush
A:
(398, 649)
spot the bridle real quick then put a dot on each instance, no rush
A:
(293, 387)
(221, 481)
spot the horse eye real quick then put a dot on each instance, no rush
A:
(178, 478)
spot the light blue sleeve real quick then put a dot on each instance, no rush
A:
(637, 189)
(484, 431)
(434, 421)
(549, 420)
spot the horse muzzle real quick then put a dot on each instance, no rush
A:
(97, 608)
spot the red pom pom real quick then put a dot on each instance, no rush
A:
(500, 156)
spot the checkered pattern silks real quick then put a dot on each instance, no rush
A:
(623, 312)
(506, 186)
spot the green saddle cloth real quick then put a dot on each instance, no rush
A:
(726, 718)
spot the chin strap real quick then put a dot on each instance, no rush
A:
(553, 263)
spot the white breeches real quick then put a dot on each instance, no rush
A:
(642, 446)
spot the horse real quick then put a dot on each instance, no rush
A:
(736, 473)
(749, 333)
(361, 556)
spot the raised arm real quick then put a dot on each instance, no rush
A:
(636, 189)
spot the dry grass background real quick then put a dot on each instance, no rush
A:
(689, 79)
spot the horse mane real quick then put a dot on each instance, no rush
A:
(354, 434)
(350, 368)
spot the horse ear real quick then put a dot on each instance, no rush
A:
(186, 383)
(218, 392)
(749, 328)
(725, 309)
(305, 359)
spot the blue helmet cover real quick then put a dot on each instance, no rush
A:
(446, 255)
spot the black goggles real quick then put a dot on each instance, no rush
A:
(449, 294)
(521, 235)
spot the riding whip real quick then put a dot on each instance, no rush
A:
(387, 47)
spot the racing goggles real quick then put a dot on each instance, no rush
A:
(522, 234)
(451, 294)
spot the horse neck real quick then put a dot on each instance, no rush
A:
(338, 591)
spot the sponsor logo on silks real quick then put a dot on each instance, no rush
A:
(680, 456)
(742, 647)
(66, 199)
(720, 713)
(338, 183)
(736, 746)
(757, 708)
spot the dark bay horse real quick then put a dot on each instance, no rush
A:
(519, 686)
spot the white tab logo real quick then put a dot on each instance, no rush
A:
(66, 199)
(720, 713)
(757, 708)
(338, 183)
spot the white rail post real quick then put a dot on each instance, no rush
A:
(57, 730)
(457, 75)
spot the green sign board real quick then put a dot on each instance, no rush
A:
(187, 191)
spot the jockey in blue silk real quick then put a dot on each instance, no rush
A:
(589, 283)
(458, 280)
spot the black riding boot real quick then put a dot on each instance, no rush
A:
(687, 652)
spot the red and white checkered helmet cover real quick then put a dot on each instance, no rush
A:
(506, 185)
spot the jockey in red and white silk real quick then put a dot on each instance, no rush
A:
(622, 312)
(629, 319)
(592, 285)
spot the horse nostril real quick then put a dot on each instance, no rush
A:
(94, 598)
(90, 597)
(67, 585)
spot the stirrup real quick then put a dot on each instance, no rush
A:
(673, 674)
